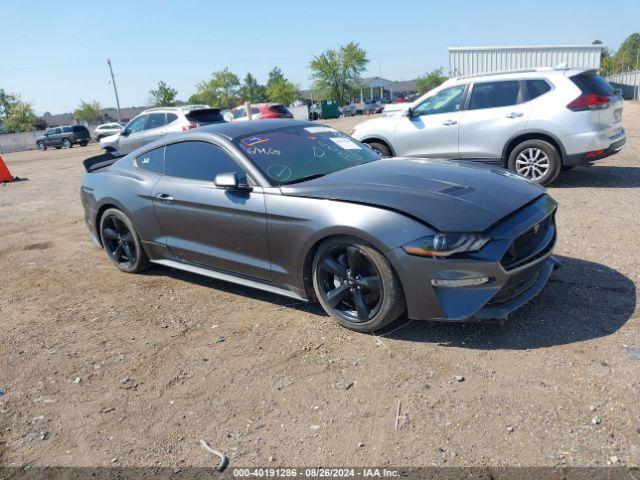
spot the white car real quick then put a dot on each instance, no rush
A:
(107, 129)
(153, 123)
(535, 122)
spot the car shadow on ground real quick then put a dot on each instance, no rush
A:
(600, 177)
(583, 300)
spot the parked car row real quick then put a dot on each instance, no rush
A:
(534, 122)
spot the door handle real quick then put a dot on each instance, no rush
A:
(163, 197)
(515, 115)
(449, 122)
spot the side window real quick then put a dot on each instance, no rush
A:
(57, 130)
(137, 125)
(66, 129)
(239, 113)
(156, 120)
(198, 161)
(445, 101)
(152, 161)
(171, 117)
(537, 87)
(494, 94)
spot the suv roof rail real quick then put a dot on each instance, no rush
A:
(507, 72)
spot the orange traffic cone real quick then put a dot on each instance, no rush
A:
(5, 175)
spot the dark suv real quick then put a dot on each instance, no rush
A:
(64, 137)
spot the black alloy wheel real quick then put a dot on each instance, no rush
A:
(356, 284)
(121, 242)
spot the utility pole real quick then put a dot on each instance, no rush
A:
(113, 80)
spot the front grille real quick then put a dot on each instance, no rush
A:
(526, 245)
(515, 286)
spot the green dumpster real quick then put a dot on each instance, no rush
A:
(329, 109)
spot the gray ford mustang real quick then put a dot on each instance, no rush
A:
(299, 209)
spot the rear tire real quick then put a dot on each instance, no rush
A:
(381, 148)
(537, 160)
(66, 143)
(356, 284)
(83, 144)
(121, 242)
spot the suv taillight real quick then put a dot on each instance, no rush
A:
(589, 101)
(188, 127)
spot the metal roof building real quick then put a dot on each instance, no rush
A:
(480, 60)
(628, 83)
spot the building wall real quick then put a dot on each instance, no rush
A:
(628, 83)
(479, 60)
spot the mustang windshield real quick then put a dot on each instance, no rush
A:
(295, 154)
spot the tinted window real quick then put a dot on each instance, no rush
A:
(208, 115)
(291, 154)
(66, 129)
(445, 101)
(137, 124)
(494, 94)
(592, 83)
(535, 88)
(239, 113)
(198, 161)
(80, 129)
(279, 109)
(171, 117)
(156, 120)
(152, 161)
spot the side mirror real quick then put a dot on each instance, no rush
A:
(408, 112)
(227, 180)
(124, 133)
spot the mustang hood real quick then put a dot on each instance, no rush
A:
(451, 196)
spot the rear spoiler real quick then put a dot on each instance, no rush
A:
(98, 162)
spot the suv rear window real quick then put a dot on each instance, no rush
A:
(279, 109)
(205, 115)
(593, 83)
(79, 129)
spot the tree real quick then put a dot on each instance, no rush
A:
(20, 118)
(625, 58)
(7, 101)
(162, 96)
(252, 91)
(279, 89)
(88, 111)
(337, 72)
(222, 90)
(430, 81)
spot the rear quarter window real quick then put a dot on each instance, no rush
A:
(536, 87)
(152, 161)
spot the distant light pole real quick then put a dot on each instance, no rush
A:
(113, 80)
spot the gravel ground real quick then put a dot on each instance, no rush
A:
(103, 368)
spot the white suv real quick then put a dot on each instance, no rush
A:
(153, 123)
(533, 122)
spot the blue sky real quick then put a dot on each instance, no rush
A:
(54, 54)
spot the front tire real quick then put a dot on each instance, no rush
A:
(41, 146)
(356, 284)
(383, 150)
(121, 242)
(537, 160)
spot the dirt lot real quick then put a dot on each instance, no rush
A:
(103, 368)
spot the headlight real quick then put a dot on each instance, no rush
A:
(445, 244)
